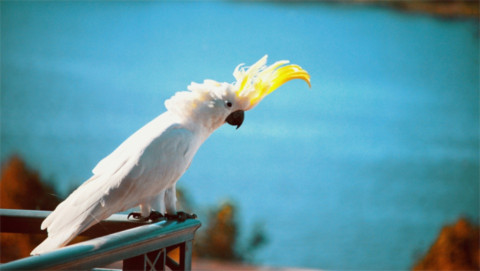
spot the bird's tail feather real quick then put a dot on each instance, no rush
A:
(78, 212)
(51, 243)
(62, 229)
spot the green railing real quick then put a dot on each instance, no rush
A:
(141, 246)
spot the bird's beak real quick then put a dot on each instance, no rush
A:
(236, 118)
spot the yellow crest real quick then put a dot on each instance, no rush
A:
(259, 80)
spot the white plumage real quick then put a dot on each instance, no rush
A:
(144, 169)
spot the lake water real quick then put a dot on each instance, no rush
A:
(359, 172)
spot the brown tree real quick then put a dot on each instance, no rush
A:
(22, 188)
(456, 248)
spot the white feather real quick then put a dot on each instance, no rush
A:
(144, 166)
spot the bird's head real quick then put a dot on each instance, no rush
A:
(213, 104)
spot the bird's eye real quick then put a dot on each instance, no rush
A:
(228, 104)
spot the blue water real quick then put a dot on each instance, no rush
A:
(359, 172)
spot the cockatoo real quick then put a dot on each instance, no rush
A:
(144, 169)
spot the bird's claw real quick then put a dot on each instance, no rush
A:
(154, 216)
(135, 215)
(181, 216)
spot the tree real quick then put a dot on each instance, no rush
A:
(22, 188)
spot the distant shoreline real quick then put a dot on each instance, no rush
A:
(446, 9)
(452, 9)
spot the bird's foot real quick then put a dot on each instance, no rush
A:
(154, 216)
(181, 216)
(135, 215)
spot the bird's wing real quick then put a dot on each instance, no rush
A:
(132, 174)
(135, 143)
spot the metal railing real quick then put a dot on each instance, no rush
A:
(141, 246)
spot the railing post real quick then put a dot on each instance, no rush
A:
(187, 255)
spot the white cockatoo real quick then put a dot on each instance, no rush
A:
(144, 169)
